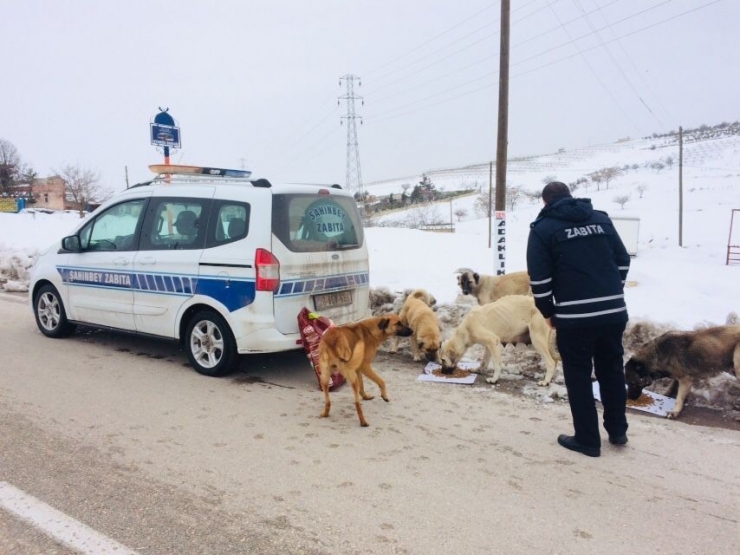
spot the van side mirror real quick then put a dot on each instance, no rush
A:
(71, 243)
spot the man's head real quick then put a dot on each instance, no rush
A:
(555, 190)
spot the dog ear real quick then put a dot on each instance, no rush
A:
(476, 277)
(383, 324)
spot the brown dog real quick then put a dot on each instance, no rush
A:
(683, 356)
(350, 349)
(488, 289)
(417, 314)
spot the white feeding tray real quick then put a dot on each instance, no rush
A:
(661, 404)
(464, 364)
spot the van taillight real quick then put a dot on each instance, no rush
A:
(268, 270)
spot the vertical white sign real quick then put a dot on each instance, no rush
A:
(499, 243)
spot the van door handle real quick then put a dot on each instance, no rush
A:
(120, 261)
(147, 260)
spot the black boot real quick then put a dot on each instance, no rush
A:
(569, 442)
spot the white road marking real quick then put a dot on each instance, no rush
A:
(56, 524)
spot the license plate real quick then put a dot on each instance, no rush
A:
(332, 300)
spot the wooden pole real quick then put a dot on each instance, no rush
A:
(490, 200)
(502, 141)
(680, 186)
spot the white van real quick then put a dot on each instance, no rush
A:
(211, 258)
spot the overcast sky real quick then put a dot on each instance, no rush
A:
(255, 84)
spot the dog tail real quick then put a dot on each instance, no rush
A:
(337, 342)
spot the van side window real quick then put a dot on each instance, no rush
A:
(175, 224)
(115, 229)
(229, 223)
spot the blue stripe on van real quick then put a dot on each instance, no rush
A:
(232, 293)
(322, 285)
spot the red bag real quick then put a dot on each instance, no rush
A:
(312, 326)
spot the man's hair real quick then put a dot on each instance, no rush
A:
(555, 190)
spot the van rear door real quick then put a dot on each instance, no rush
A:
(319, 241)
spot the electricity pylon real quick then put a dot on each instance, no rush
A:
(354, 173)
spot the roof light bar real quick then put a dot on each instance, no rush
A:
(175, 169)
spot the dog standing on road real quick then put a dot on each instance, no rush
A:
(511, 319)
(487, 289)
(683, 356)
(349, 349)
(417, 314)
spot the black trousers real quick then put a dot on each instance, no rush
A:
(598, 348)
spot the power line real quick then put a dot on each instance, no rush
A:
(637, 71)
(616, 63)
(593, 71)
(629, 34)
(432, 39)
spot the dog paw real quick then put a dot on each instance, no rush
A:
(368, 397)
(543, 383)
(491, 380)
(417, 358)
(386, 399)
(672, 415)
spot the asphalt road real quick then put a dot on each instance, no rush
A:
(121, 435)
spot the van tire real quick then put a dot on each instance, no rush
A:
(210, 344)
(51, 318)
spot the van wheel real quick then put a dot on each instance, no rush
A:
(50, 315)
(210, 344)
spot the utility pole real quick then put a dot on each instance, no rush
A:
(354, 174)
(502, 141)
(680, 186)
(490, 196)
(126, 172)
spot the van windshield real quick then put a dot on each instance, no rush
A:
(316, 223)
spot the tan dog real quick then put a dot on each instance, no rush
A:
(350, 349)
(683, 356)
(417, 314)
(511, 319)
(488, 289)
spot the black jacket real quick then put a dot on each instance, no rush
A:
(577, 265)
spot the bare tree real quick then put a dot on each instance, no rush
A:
(460, 213)
(406, 187)
(657, 166)
(597, 177)
(514, 195)
(82, 186)
(549, 179)
(611, 173)
(641, 188)
(10, 164)
(621, 200)
(483, 204)
(669, 162)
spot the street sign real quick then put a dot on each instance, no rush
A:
(165, 135)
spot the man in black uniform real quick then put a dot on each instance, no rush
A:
(578, 265)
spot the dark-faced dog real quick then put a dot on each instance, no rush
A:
(350, 349)
(683, 356)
